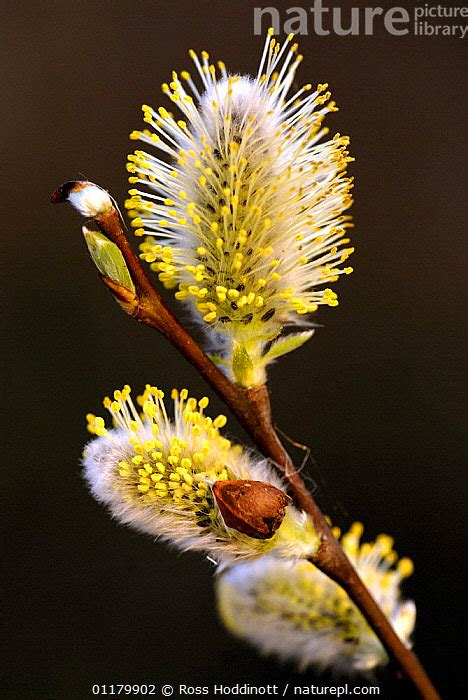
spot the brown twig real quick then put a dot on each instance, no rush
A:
(252, 408)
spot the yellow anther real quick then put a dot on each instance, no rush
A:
(357, 529)
(385, 543)
(150, 409)
(220, 421)
(405, 567)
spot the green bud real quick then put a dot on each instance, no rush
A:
(108, 258)
(286, 344)
(242, 365)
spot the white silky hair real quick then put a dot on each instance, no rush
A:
(90, 200)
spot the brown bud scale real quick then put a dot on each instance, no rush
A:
(61, 195)
(127, 299)
(254, 508)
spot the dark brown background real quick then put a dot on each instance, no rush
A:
(377, 393)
